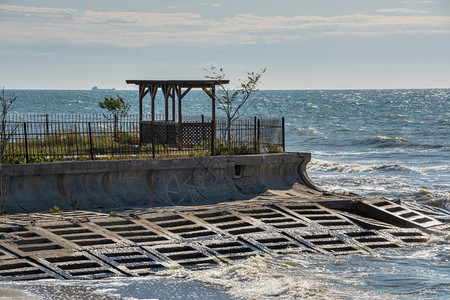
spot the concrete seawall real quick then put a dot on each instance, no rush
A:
(94, 185)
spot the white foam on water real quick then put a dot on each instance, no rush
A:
(340, 167)
(264, 278)
(284, 277)
(426, 185)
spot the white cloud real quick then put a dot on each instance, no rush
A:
(139, 29)
(135, 19)
(37, 10)
(210, 4)
(402, 11)
(392, 32)
(420, 2)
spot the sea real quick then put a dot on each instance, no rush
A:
(391, 143)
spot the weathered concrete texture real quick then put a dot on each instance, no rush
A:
(93, 185)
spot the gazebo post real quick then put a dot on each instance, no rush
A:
(180, 118)
(213, 103)
(153, 90)
(153, 108)
(166, 91)
(172, 95)
(141, 96)
(213, 117)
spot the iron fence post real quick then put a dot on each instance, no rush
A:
(202, 129)
(26, 142)
(259, 135)
(213, 130)
(46, 124)
(283, 134)
(255, 142)
(90, 141)
(152, 132)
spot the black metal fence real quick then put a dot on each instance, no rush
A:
(40, 138)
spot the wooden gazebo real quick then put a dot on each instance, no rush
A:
(173, 91)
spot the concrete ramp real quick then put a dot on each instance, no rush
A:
(142, 242)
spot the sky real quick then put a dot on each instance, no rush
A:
(303, 44)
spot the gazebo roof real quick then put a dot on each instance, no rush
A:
(179, 83)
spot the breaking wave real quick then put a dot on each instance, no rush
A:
(386, 138)
(259, 278)
(384, 142)
(329, 166)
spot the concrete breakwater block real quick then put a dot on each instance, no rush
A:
(142, 242)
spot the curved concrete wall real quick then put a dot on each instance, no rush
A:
(93, 185)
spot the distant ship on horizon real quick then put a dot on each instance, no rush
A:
(95, 88)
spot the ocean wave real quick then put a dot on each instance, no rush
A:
(433, 169)
(443, 203)
(387, 138)
(330, 166)
(288, 277)
(433, 198)
(382, 141)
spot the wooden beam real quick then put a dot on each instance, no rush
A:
(180, 118)
(185, 92)
(213, 117)
(209, 92)
(153, 90)
(141, 96)
(180, 83)
(166, 93)
(172, 95)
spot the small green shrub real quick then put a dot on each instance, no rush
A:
(273, 148)
(221, 148)
(36, 158)
(127, 138)
(55, 210)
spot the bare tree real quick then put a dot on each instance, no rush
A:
(233, 101)
(5, 134)
(6, 105)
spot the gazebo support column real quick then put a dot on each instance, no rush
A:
(213, 104)
(212, 94)
(172, 95)
(166, 91)
(180, 96)
(153, 89)
(180, 118)
(213, 121)
(142, 93)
